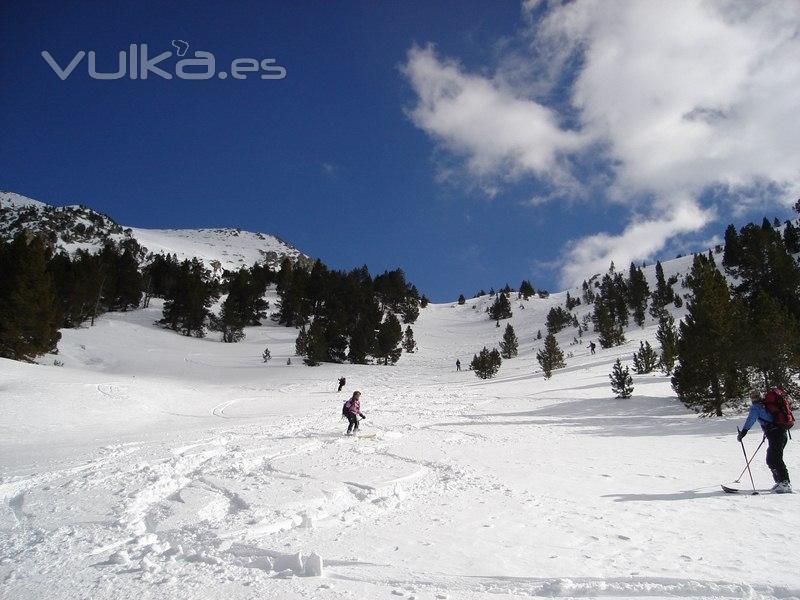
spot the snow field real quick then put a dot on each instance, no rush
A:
(154, 465)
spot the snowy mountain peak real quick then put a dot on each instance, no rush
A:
(76, 227)
(18, 201)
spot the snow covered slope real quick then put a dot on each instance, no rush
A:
(70, 228)
(218, 248)
(155, 465)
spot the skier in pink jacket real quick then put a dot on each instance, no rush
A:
(352, 410)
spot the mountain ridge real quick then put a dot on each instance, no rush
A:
(77, 227)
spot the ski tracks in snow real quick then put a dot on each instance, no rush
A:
(252, 503)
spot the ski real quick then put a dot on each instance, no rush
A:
(732, 490)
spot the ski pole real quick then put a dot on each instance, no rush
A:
(751, 460)
(747, 465)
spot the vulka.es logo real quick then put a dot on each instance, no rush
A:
(136, 63)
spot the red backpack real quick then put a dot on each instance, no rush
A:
(777, 403)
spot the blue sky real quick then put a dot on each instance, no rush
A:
(485, 158)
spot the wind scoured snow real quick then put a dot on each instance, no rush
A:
(155, 465)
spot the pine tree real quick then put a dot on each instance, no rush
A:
(316, 347)
(409, 345)
(127, 289)
(486, 363)
(645, 359)
(228, 324)
(667, 336)
(765, 266)
(571, 302)
(501, 308)
(621, 381)
(245, 302)
(294, 301)
(29, 315)
(509, 347)
(362, 340)
(791, 239)
(301, 343)
(550, 357)
(526, 289)
(76, 283)
(663, 293)
(557, 319)
(617, 297)
(410, 310)
(588, 293)
(159, 276)
(732, 252)
(611, 333)
(710, 372)
(186, 307)
(461, 300)
(388, 340)
(638, 292)
(772, 348)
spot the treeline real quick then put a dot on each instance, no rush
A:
(343, 316)
(190, 290)
(525, 292)
(42, 293)
(745, 333)
(618, 298)
(740, 331)
(347, 316)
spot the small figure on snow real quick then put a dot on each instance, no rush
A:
(342, 382)
(775, 417)
(352, 410)
(458, 365)
(592, 347)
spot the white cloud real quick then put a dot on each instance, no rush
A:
(475, 117)
(642, 239)
(688, 94)
(682, 97)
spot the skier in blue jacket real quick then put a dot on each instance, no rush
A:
(777, 437)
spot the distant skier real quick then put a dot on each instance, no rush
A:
(289, 361)
(775, 417)
(592, 347)
(352, 410)
(458, 365)
(342, 382)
